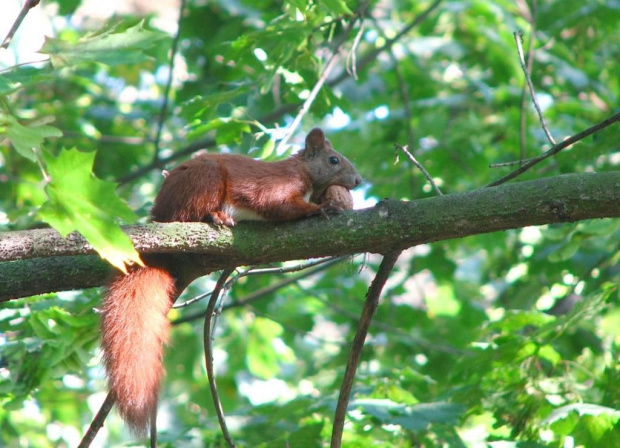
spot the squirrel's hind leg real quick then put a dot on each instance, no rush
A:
(220, 218)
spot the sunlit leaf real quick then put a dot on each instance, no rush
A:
(202, 105)
(78, 201)
(228, 130)
(262, 357)
(109, 47)
(299, 4)
(337, 6)
(27, 139)
(267, 149)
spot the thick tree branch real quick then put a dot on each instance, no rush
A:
(391, 225)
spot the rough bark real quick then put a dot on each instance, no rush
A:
(38, 261)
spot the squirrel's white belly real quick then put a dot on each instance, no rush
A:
(246, 214)
(241, 214)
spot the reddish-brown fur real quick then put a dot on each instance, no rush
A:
(134, 327)
(218, 188)
(205, 188)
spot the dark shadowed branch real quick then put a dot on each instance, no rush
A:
(370, 306)
(98, 421)
(210, 319)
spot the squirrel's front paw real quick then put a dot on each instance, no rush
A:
(329, 209)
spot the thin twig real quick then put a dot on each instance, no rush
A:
(22, 64)
(557, 148)
(329, 66)
(164, 107)
(39, 158)
(512, 163)
(372, 55)
(370, 306)
(518, 35)
(295, 268)
(28, 5)
(352, 57)
(254, 271)
(260, 293)
(530, 63)
(421, 168)
(98, 421)
(306, 106)
(208, 342)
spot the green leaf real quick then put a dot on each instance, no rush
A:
(413, 418)
(567, 251)
(229, 130)
(79, 201)
(598, 227)
(590, 425)
(338, 7)
(443, 302)
(550, 354)
(26, 139)
(110, 47)
(515, 320)
(262, 358)
(308, 436)
(267, 149)
(199, 105)
(302, 5)
(19, 77)
(67, 6)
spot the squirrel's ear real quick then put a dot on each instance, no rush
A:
(315, 139)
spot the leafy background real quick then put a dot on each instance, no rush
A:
(504, 339)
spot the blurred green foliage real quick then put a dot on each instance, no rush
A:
(505, 339)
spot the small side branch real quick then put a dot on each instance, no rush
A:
(531, 17)
(370, 306)
(557, 148)
(329, 66)
(327, 262)
(371, 56)
(18, 21)
(164, 107)
(331, 63)
(98, 421)
(421, 168)
(518, 35)
(208, 341)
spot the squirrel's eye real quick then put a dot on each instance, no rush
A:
(334, 160)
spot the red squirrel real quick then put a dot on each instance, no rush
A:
(217, 188)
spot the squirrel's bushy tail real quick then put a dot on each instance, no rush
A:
(134, 329)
